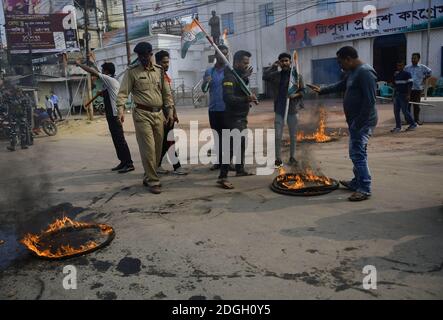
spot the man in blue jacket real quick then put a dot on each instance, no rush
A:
(213, 82)
(359, 86)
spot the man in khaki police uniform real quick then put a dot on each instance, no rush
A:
(151, 95)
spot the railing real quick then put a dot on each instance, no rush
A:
(198, 95)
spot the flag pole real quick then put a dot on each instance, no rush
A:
(293, 67)
(243, 86)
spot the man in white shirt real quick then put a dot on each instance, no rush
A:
(49, 108)
(110, 91)
(419, 73)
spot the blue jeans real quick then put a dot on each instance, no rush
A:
(358, 143)
(401, 104)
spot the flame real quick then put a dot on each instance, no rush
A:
(320, 135)
(299, 180)
(33, 242)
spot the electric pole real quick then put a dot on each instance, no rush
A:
(128, 47)
(86, 37)
(428, 42)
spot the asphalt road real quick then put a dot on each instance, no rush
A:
(201, 242)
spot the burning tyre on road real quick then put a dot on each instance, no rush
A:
(303, 184)
(66, 239)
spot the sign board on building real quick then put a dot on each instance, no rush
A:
(402, 18)
(40, 25)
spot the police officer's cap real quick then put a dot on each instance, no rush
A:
(143, 48)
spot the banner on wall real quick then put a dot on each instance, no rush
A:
(142, 14)
(384, 21)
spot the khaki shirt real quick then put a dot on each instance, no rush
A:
(148, 87)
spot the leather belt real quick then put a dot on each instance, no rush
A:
(148, 108)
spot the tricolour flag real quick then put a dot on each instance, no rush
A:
(294, 81)
(190, 35)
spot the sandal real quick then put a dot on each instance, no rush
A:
(358, 196)
(225, 184)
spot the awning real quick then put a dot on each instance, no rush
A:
(61, 79)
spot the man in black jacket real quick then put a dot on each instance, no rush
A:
(237, 104)
(279, 80)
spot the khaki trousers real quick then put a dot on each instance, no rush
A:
(149, 133)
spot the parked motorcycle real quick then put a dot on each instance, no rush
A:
(43, 121)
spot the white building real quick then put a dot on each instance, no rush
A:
(264, 27)
(182, 71)
(260, 27)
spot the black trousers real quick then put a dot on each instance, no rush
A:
(416, 97)
(217, 123)
(231, 124)
(168, 144)
(57, 110)
(118, 138)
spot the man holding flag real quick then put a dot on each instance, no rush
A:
(288, 90)
(213, 81)
(238, 103)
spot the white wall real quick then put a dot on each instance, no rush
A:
(192, 66)
(267, 43)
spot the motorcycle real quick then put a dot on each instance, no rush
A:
(43, 121)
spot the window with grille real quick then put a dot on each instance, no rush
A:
(228, 22)
(266, 14)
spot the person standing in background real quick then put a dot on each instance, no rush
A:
(49, 108)
(55, 100)
(419, 73)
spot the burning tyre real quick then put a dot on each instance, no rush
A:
(66, 238)
(303, 184)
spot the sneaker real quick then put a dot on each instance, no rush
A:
(412, 127)
(420, 123)
(278, 163)
(180, 172)
(127, 168)
(396, 130)
(160, 170)
(119, 167)
(292, 161)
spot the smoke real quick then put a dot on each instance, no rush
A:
(25, 186)
(308, 123)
